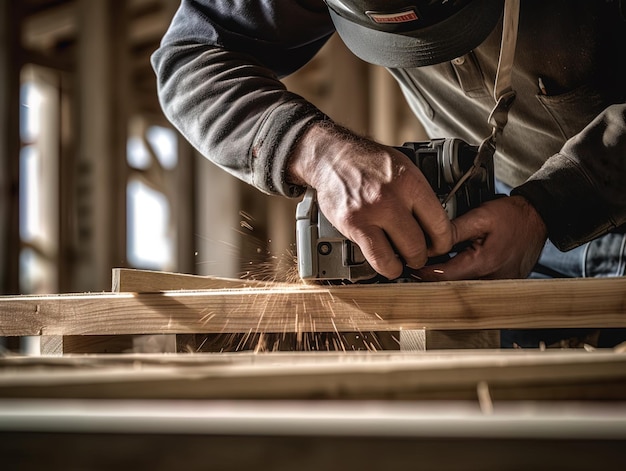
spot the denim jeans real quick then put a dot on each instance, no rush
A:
(602, 257)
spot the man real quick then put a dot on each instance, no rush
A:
(562, 151)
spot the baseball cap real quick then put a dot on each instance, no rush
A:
(413, 33)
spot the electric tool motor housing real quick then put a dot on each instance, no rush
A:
(324, 254)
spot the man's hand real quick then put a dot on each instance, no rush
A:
(375, 196)
(506, 237)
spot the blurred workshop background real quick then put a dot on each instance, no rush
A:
(94, 177)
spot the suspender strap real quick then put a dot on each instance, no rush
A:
(503, 93)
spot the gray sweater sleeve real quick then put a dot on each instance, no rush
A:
(581, 191)
(218, 73)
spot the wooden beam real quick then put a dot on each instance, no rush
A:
(149, 281)
(507, 375)
(498, 304)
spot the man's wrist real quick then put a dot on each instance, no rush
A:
(298, 161)
(307, 157)
(533, 216)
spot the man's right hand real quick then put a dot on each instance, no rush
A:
(374, 195)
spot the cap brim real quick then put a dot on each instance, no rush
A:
(441, 42)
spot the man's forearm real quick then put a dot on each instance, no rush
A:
(234, 112)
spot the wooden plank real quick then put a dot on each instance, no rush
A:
(508, 375)
(55, 434)
(148, 281)
(458, 305)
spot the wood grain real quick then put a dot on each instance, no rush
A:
(512, 374)
(149, 281)
(498, 304)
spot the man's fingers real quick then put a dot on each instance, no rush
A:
(434, 221)
(464, 265)
(408, 239)
(467, 263)
(468, 227)
(378, 251)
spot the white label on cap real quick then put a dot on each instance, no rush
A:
(399, 17)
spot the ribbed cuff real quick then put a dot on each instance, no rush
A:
(274, 142)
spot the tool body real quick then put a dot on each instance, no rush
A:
(324, 254)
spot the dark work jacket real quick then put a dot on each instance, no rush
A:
(564, 147)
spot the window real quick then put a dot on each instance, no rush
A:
(39, 160)
(152, 154)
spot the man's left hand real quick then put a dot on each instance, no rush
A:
(505, 238)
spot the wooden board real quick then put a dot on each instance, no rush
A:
(149, 281)
(236, 435)
(483, 375)
(498, 304)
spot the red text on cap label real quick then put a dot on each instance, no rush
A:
(399, 17)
